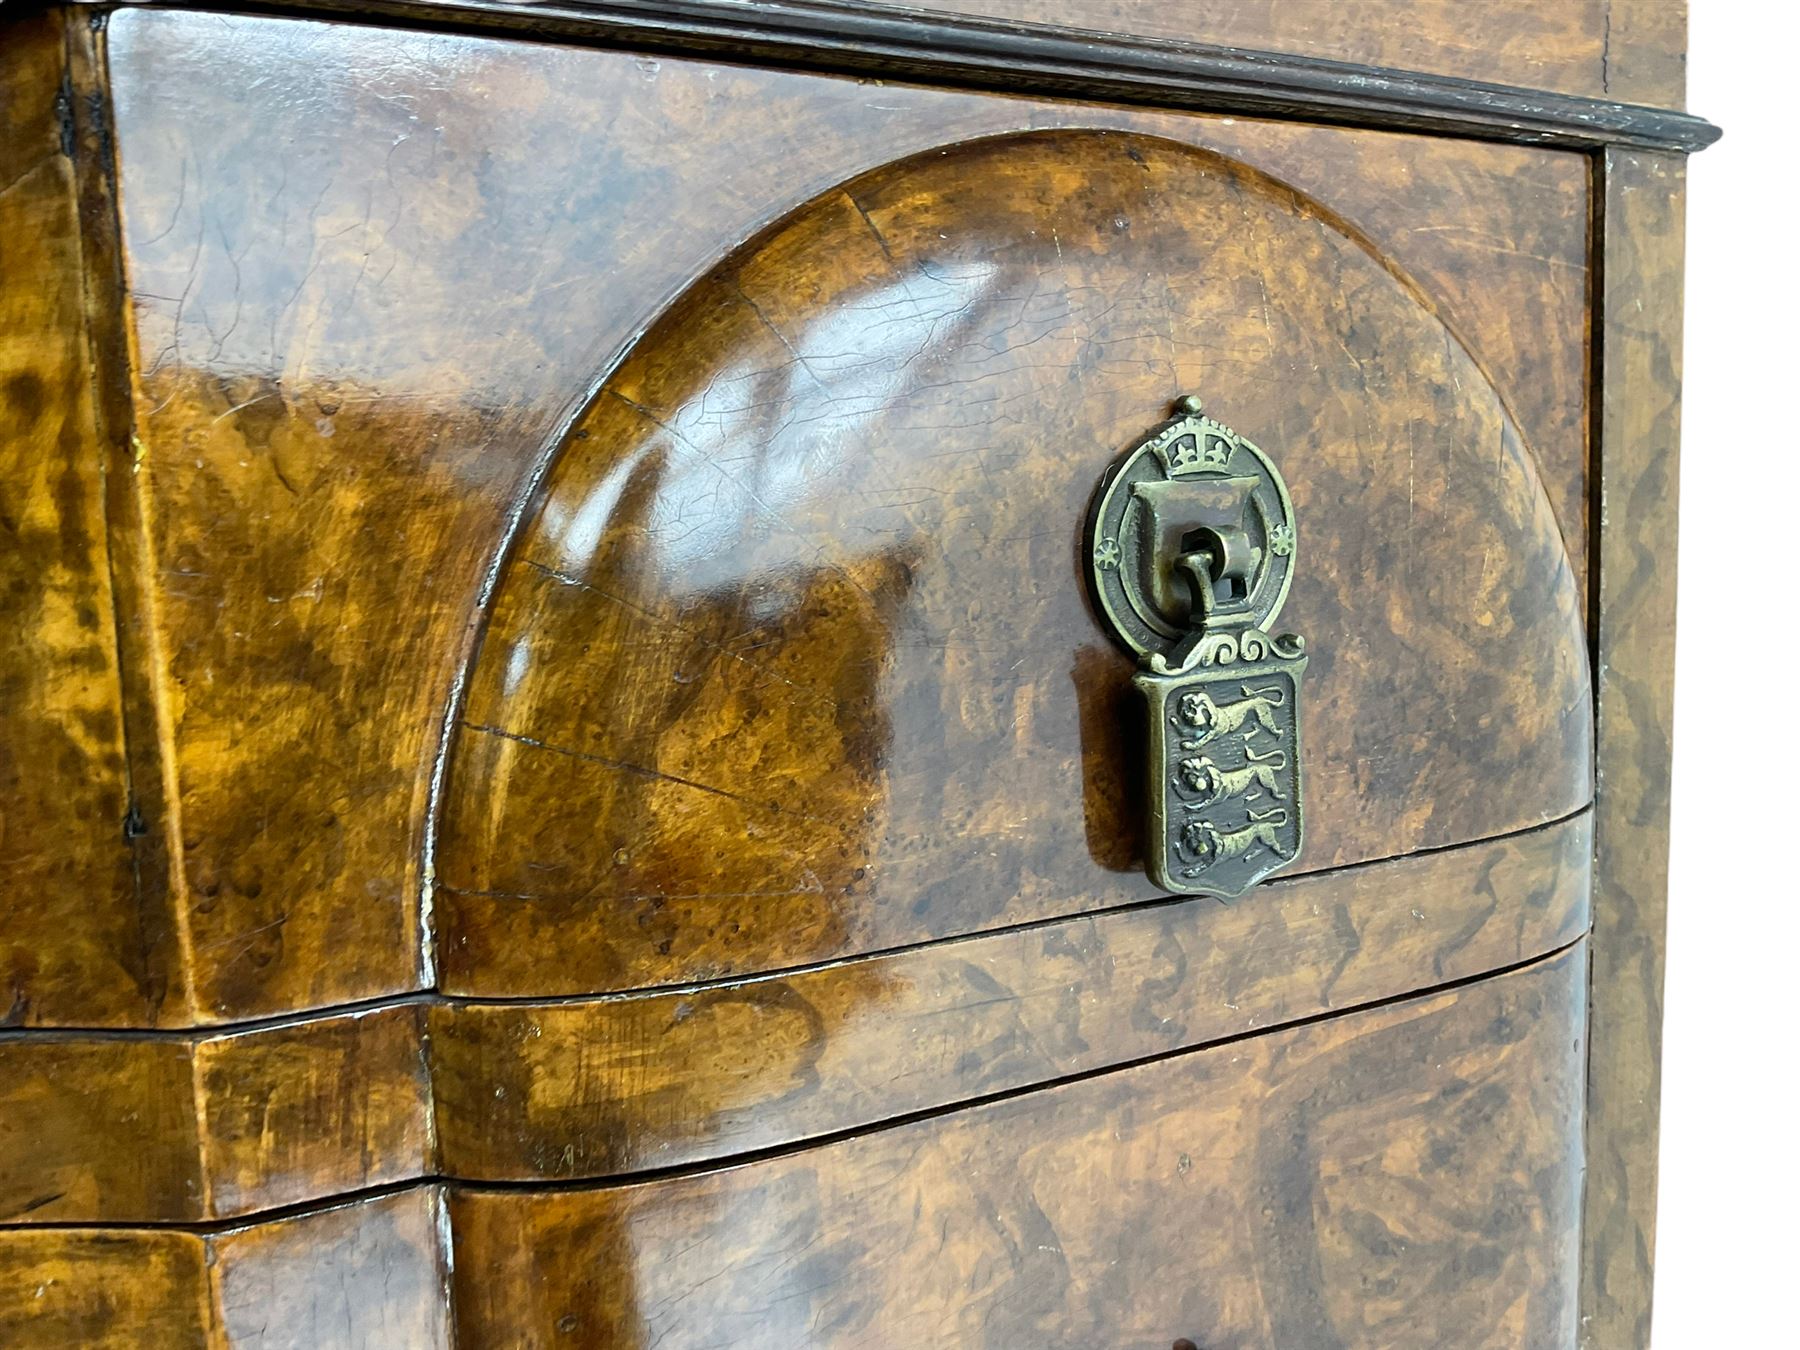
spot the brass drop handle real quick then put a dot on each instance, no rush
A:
(1191, 547)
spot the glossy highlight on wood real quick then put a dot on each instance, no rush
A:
(793, 660)
(172, 1128)
(293, 436)
(554, 718)
(63, 780)
(1334, 1183)
(607, 1087)
(1407, 1177)
(196, 1128)
(369, 1275)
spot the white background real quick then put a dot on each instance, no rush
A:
(1728, 1258)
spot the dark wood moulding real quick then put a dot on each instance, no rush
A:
(852, 37)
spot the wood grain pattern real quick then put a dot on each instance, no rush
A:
(318, 1108)
(790, 673)
(1628, 50)
(369, 1276)
(189, 1129)
(350, 350)
(1646, 52)
(103, 1290)
(604, 1087)
(1407, 1177)
(74, 943)
(171, 1128)
(1335, 1183)
(791, 663)
(97, 1128)
(1640, 326)
(1331, 1183)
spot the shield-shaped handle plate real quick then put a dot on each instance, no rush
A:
(1191, 547)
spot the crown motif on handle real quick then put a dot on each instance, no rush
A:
(1194, 443)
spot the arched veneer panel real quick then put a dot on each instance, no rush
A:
(792, 660)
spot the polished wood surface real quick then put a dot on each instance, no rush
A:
(368, 1276)
(75, 946)
(555, 721)
(318, 1108)
(373, 1275)
(792, 660)
(181, 1128)
(1339, 1184)
(601, 1087)
(97, 1128)
(103, 1290)
(351, 351)
(1640, 437)
(1334, 1183)
(1630, 50)
(171, 1128)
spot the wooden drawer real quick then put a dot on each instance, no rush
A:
(787, 662)
(1338, 1183)
(575, 737)
(771, 649)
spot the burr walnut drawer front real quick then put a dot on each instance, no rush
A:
(628, 763)
(1337, 1184)
(649, 590)
(791, 658)
(654, 557)
(795, 752)
(1400, 1178)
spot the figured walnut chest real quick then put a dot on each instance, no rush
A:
(804, 674)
